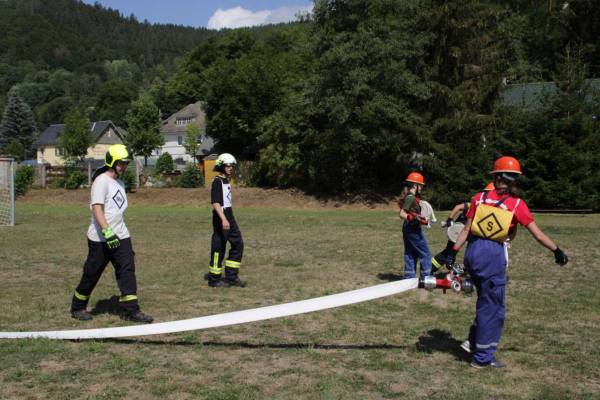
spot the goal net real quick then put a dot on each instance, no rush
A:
(7, 191)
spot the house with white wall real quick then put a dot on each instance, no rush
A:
(174, 130)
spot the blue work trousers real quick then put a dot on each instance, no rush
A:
(486, 262)
(415, 250)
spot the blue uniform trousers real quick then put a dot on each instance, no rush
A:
(415, 249)
(486, 262)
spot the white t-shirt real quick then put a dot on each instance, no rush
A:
(221, 192)
(110, 193)
(227, 195)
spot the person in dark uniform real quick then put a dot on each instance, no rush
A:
(416, 248)
(109, 240)
(225, 229)
(492, 220)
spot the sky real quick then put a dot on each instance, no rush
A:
(212, 14)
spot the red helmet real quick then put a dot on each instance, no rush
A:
(489, 187)
(507, 164)
(415, 177)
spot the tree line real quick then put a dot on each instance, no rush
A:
(360, 93)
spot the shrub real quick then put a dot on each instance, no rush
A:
(23, 179)
(164, 164)
(75, 179)
(16, 150)
(247, 173)
(192, 177)
(57, 183)
(129, 179)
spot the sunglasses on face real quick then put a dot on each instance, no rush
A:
(508, 177)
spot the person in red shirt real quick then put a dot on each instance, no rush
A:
(491, 221)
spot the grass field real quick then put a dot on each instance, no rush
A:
(405, 346)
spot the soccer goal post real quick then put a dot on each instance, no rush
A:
(7, 192)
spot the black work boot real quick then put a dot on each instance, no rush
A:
(232, 279)
(137, 316)
(235, 282)
(82, 315)
(494, 364)
(219, 283)
(215, 280)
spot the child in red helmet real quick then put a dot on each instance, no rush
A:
(415, 245)
(491, 220)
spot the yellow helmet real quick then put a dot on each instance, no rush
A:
(116, 152)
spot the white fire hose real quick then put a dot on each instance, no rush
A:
(231, 318)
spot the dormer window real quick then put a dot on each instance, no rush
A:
(183, 121)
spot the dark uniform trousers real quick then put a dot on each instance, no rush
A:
(440, 259)
(217, 249)
(98, 257)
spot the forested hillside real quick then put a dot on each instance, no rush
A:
(71, 34)
(350, 99)
(65, 53)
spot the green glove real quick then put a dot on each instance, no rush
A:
(112, 241)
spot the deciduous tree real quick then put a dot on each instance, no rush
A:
(75, 140)
(191, 140)
(144, 122)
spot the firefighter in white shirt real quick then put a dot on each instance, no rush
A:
(109, 240)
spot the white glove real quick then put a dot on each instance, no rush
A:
(447, 223)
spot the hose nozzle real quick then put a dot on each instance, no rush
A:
(456, 284)
(428, 282)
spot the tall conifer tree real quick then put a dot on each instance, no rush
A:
(18, 123)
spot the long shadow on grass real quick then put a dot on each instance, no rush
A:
(442, 341)
(390, 277)
(246, 345)
(107, 306)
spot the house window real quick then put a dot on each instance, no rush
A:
(180, 140)
(183, 121)
(57, 152)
